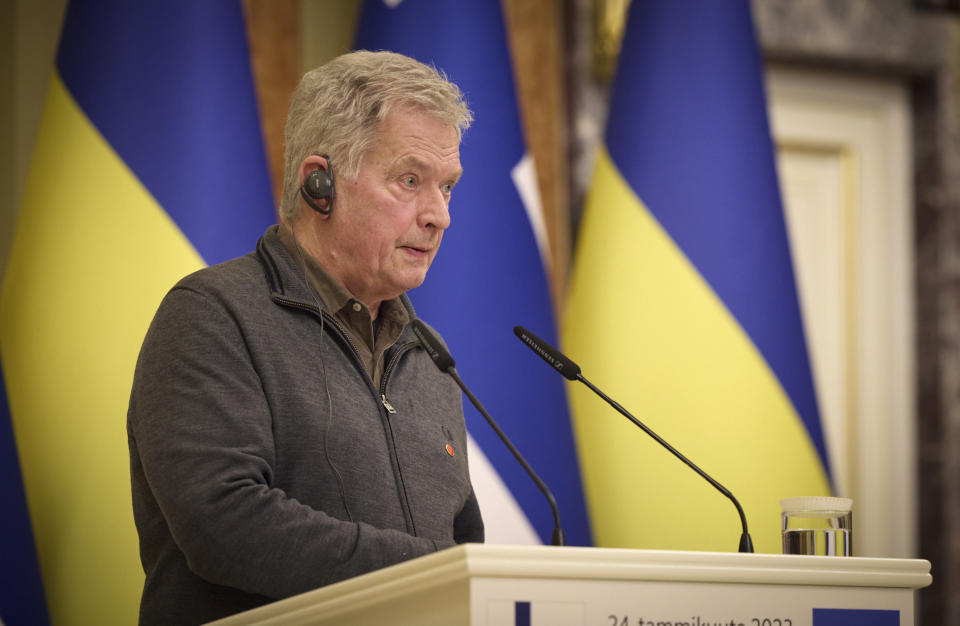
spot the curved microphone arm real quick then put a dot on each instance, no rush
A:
(571, 371)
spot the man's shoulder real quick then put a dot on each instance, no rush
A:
(210, 293)
(255, 271)
(240, 274)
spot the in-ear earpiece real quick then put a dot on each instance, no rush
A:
(319, 185)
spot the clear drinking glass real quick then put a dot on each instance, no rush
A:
(817, 525)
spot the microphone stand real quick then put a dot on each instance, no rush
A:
(441, 358)
(746, 543)
(558, 538)
(571, 371)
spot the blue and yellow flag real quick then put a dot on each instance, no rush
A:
(490, 275)
(683, 304)
(149, 164)
(21, 589)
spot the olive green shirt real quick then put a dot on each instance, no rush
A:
(370, 340)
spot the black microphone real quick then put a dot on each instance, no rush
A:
(441, 357)
(567, 368)
(571, 371)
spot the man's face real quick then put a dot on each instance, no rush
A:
(388, 221)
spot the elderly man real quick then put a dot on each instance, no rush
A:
(286, 428)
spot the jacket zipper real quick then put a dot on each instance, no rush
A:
(383, 396)
(387, 405)
(386, 374)
(408, 514)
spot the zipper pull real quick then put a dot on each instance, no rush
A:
(387, 405)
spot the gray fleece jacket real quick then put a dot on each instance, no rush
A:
(263, 461)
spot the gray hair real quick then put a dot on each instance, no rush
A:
(337, 108)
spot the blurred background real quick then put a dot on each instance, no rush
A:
(864, 103)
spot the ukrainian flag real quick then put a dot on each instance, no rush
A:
(683, 304)
(490, 274)
(21, 590)
(149, 164)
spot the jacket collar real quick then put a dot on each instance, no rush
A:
(286, 279)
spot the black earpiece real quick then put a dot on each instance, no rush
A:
(318, 185)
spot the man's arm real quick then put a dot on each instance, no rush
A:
(468, 526)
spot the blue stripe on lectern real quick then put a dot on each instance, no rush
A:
(521, 614)
(854, 617)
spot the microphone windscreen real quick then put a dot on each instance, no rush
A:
(437, 351)
(566, 367)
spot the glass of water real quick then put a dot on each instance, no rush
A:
(817, 525)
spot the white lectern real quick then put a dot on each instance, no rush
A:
(486, 585)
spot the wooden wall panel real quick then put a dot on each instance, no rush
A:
(536, 36)
(274, 33)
